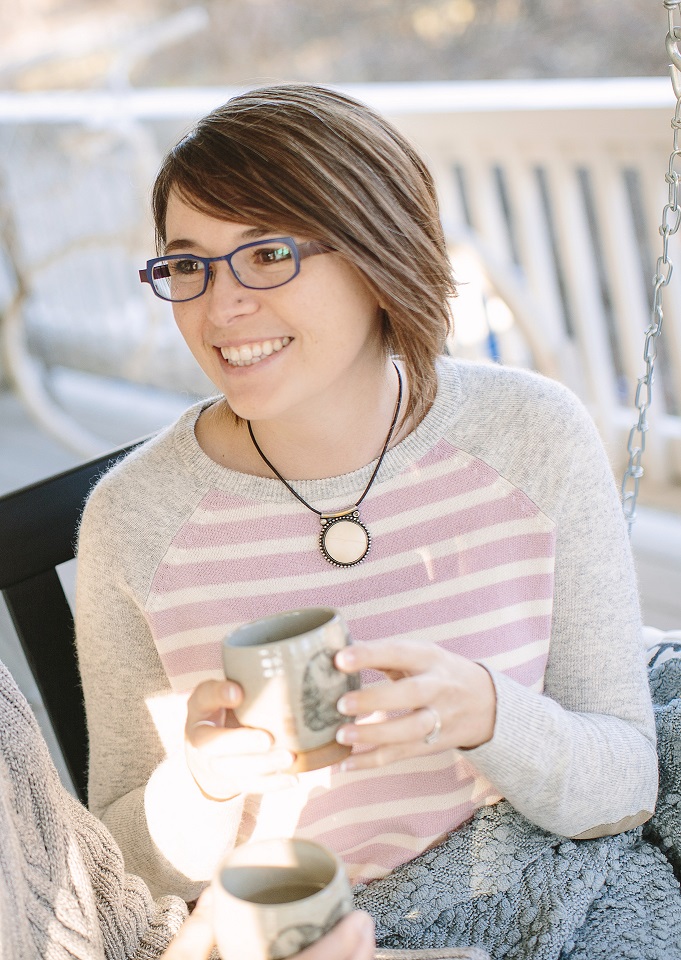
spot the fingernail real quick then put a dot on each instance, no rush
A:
(230, 693)
(346, 705)
(347, 765)
(346, 734)
(346, 658)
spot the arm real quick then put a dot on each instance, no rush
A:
(170, 834)
(585, 750)
(579, 759)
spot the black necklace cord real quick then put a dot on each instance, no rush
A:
(376, 469)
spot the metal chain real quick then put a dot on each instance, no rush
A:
(671, 220)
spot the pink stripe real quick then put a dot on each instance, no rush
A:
(480, 601)
(416, 490)
(413, 536)
(389, 856)
(530, 672)
(257, 530)
(377, 507)
(501, 639)
(471, 560)
(206, 656)
(422, 824)
(478, 473)
(210, 613)
(384, 788)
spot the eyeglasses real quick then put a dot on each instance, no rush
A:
(261, 265)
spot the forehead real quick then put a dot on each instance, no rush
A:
(187, 226)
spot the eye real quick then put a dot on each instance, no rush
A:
(186, 267)
(265, 255)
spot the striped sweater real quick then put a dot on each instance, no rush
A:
(496, 533)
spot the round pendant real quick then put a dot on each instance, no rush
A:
(344, 540)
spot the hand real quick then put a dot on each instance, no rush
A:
(224, 758)
(195, 939)
(351, 939)
(427, 682)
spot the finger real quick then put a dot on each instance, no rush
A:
(224, 777)
(414, 727)
(214, 741)
(380, 757)
(194, 940)
(351, 939)
(211, 696)
(404, 656)
(407, 693)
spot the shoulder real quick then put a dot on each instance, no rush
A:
(146, 487)
(489, 385)
(532, 430)
(519, 402)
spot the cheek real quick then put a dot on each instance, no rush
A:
(186, 322)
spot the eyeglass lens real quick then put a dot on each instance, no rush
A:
(260, 265)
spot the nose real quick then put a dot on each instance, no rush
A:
(225, 297)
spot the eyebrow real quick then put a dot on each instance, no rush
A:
(252, 233)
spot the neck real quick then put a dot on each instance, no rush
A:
(340, 441)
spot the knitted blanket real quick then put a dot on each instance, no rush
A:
(502, 884)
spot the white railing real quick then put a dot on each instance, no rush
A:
(552, 193)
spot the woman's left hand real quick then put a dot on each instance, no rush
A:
(427, 686)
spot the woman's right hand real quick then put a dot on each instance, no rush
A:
(225, 758)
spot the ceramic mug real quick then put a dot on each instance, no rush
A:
(273, 898)
(284, 664)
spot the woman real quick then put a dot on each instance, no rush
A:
(463, 517)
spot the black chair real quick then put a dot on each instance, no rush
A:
(38, 527)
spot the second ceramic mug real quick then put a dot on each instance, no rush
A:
(284, 664)
(272, 898)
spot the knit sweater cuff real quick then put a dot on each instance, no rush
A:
(191, 833)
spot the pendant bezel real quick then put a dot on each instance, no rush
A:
(328, 521)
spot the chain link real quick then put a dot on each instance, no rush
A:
(671, 220)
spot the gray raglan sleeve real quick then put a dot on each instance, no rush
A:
(139, 784)
(580, 759)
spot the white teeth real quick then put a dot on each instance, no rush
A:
(250, 353)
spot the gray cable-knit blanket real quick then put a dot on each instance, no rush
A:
(503, 884)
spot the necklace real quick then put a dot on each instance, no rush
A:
(344, 540)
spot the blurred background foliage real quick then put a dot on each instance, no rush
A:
(85, 44)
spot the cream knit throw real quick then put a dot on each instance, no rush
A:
(63, 890)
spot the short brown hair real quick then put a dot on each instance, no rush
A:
(313, 162)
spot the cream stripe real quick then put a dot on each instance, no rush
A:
(517, 656)
(400, 521)
(434, 634)
(456, 586)
(187, 681)
(296, 582)
(247, 512)
(405, 841)
(392, 808)
(480, 621)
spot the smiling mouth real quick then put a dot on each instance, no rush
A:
(250, 353)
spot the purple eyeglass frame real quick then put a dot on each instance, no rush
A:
(300, 252)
